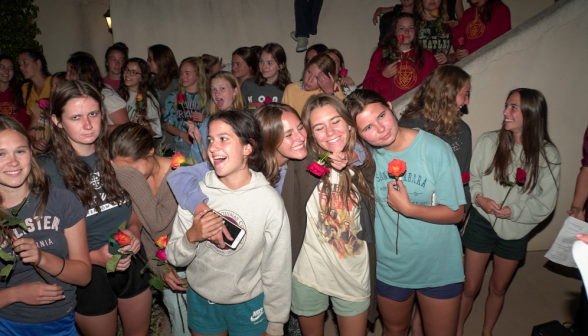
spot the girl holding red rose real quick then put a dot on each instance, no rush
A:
(417, 241)
(78, 160)
(499, 160)
(483, 22)
(400, 63)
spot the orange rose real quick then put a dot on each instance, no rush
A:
(139, 97)
(435, 13)
(396, 168)
(161, 242)
(122, 239)
(177, 160)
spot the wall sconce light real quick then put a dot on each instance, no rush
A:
(108, 20)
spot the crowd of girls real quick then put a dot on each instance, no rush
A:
(258, 244)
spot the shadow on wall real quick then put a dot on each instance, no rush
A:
(546, 53)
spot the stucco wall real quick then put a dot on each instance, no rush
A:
(547, 53)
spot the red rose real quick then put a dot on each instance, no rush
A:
(267, 100)
(401, 38)
(521, 176)
(122, 239)
(181, 98)
(177, 160)
(317, 170)
(343, 72)
(44, 103)
(461, 40)
(396, 168)
(465, 178)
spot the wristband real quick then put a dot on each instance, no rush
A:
(62, 268)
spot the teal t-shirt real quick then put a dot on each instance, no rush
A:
(429, 254)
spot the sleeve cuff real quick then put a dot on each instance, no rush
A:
(186, 245)
(274, 328)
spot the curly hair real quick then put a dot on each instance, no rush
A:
(390, 42)
(279, 56)
(435, 99)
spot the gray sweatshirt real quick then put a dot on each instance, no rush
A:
(261, 263)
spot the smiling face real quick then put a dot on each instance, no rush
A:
(463, 96)
(223, 93)
(81, 121)
(269, 67)
(225, 150)
(293, 146)
(132, 76)
(513, 116)
(15, 159)
(329, 129)
(6, 71)
(239, 67)
(28, 67)
(189, 78)
(115, 62)
(377, 125)
(431, 5)
(311, 78)
(405, 27)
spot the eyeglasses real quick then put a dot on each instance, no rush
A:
(132, 72)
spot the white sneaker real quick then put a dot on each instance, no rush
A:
(302, 44)
(293, 36)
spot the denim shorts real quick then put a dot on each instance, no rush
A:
(402, 294)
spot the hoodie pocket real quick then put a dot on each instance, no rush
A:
(216, 279)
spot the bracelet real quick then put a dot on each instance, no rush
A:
(62, 268)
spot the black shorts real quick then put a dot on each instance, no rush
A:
(479, 236)
(101, 295)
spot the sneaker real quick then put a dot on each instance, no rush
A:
(302, 44)
(293, 36)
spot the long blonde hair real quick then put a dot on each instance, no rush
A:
(436, 100)
(238, 103)
(198, 65)
(346, 179)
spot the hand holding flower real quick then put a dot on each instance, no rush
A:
(503, 213)
(174, 281)
(391, 69)
(134, 244)
(339, 160)
(398, 198)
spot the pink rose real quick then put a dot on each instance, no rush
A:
(44, 103)
(343, 72)
(317, 170)
(161, 255)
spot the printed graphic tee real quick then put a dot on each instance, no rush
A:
(332, 259)
(63, 211)
(429, 254)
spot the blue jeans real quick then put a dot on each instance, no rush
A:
(170, 299)
(307, 15)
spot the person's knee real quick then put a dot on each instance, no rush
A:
(470, 290)
(498, 289)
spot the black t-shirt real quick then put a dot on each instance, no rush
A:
(63, 211)
(433, 38)
(461, 144)
(99, 224)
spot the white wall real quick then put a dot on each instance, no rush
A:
(68, 26)
(547, 53)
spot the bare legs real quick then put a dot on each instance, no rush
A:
(475, 265)
(135, 314)
(348, 325)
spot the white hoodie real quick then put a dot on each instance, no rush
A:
(261, 263)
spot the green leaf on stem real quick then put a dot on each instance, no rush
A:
(112, 262)
(122, 226)
(144, 268)
(17, 209)
(166, 270)
(6, 270)
(157, 283)
(5, 256)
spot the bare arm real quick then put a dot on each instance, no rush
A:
(118, 118)
(580, 195)
(459, 9)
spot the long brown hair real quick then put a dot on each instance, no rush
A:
(486, 11)
(435, 100)
(390, 42)
(86, 69)
(535, 138)
(279, 56)
(15, 85)
(202, 80)
(37, 179)
(346, 180)
(74, 170)
(422, 21)
(146, 89)
(269, 117)
(167, 67)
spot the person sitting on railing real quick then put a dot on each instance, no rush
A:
(483, 22)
